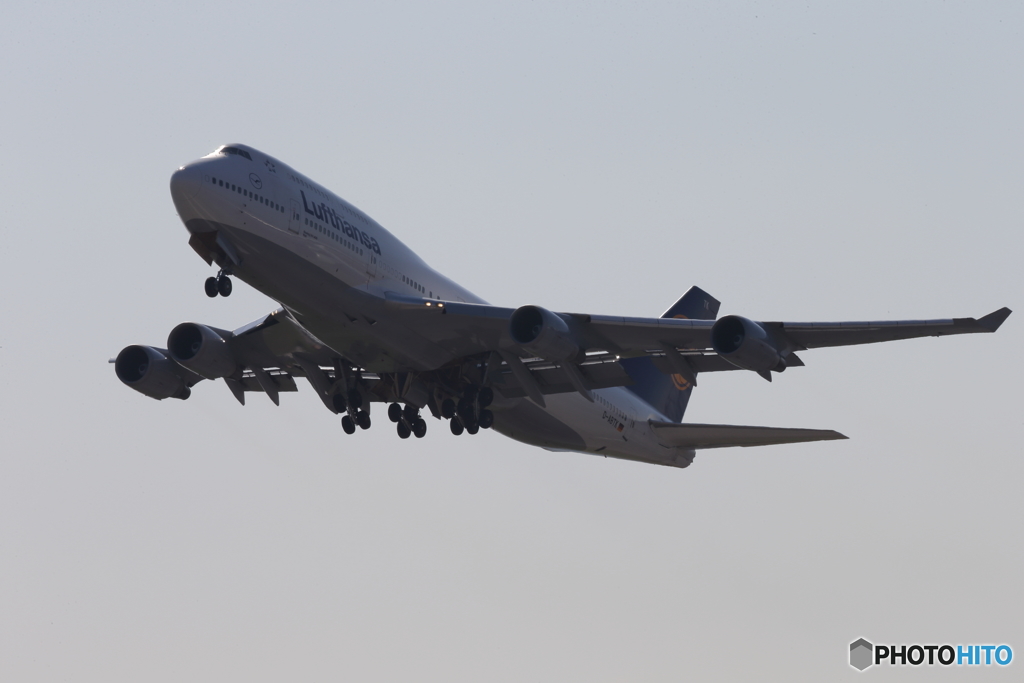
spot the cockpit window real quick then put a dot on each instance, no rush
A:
(235, 150)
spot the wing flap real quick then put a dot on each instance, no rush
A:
(699, 436)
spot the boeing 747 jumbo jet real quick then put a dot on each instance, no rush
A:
(364, 320)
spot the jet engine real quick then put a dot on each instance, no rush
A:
(746, 345)
(543, 333)
(149, 371)
(202, 350)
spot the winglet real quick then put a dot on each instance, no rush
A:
(992, 321)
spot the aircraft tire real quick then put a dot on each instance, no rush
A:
(363, 419)
(339, 403)
(419, 428)
(486, 419)
(403, 430)
(394, 412)
(224, 286)
(485, 397)
(348, 425)
(411, 413)
(472, 428)
(456, 426)
(447, 408)
(211, 287)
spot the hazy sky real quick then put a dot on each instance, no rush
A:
(843, 161)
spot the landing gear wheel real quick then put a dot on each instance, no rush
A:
(403, 430)
(339, 403)
(465, 410)
(486, 419)
(211, 287)
(224, 285)
(394, 412)
(472, 428)
(485, 397)
(411, 413)
(456, 426)
(447, 408)
(348, 425)
(419, 428)
(355, 399)
(363, 419)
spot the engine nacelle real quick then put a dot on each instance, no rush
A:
(543, 333)
(149, 371)
(202, 350)
(746, 345)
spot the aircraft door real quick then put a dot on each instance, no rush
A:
(293, 220)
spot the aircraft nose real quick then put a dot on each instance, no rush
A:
(185, 183)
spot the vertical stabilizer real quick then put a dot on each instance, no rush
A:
(669, 394)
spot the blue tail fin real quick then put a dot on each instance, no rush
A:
(669, 394)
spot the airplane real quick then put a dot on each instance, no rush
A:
(365, 320)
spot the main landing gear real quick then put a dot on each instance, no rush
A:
(355, 417)
(407, 421)
(218, 285)
(361, 420)
(470, 414)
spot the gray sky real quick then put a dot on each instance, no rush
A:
(855, 161)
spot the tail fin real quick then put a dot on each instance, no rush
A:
(669, 394)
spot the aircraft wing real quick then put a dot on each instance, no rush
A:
(265, 355)
(480, 328)
(570, 342)
(269, 353)
(814, 335)
(700, 436)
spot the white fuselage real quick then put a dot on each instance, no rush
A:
(309, 249)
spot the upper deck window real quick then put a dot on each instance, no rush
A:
(235, 150)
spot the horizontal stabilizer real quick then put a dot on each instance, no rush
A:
(697, 436)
